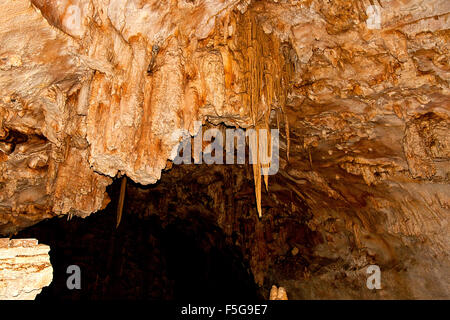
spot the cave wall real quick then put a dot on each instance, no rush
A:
(94, 89)
(312, 255)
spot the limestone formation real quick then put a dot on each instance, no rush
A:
(358, 89)
(24, 268)
(278, 293)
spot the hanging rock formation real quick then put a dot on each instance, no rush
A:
(93, 90)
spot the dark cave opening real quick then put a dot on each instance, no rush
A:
(145, 258)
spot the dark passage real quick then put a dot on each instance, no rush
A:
(144, 258)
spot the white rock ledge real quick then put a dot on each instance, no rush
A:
(25, 268)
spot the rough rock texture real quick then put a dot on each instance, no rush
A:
(278, 293)
(85, 97)
(24, 268)
(293, 245)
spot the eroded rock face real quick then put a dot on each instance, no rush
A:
(24, 268)
(85, 96)
(312, 253)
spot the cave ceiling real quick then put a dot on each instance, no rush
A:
(93, 90)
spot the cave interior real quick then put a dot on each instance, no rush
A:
(99, 98)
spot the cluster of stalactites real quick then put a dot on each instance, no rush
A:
(266, 76)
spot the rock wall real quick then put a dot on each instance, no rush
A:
(24, 268)
(313, 254)
(91, 90)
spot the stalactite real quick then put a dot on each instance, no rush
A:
(123, 187)
(265, 78)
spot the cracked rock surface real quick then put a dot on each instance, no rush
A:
(363, 113)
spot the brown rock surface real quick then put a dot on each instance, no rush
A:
(367, 111)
